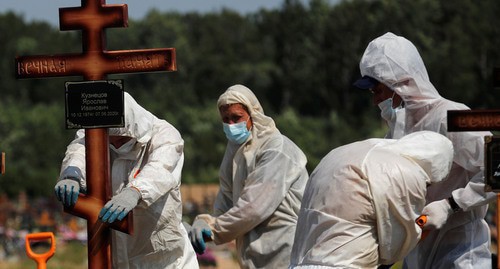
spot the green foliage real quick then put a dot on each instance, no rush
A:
(300, 60)
(33, 138)
(204, 142)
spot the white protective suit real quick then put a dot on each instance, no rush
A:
(152, 165)
(261, 187)
(464, 240)
(362, 200)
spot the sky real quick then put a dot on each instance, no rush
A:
(48, 10)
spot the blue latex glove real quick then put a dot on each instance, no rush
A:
(67, 191)
(200, 230)
(119, 206)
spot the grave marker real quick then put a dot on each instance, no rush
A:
(94, 64)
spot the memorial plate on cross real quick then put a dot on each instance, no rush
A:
(94, 104)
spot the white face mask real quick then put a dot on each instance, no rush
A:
(389, 114)
(386, 111)
(125, 148)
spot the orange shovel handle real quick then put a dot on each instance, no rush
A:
(420, 221)
(42, 258)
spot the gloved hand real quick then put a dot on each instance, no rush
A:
(199, 231)
(437, 213)
(67, 191)
(119, 206)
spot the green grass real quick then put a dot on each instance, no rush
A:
(71, 255)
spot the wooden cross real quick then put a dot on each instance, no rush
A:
(94, 63)
(484, 120)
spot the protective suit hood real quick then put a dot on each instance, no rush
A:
(395, 61)
(138, 121)
(397, 231)
(262, 124)
(431, 151)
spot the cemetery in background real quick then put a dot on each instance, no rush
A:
(21, 216)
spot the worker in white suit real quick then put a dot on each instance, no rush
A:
(262, 179)
(146, 161)
(459, 236)
(362, 200)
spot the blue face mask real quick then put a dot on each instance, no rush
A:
(237, 133)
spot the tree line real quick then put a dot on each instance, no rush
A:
(300, 60)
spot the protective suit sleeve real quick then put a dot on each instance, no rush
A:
(265, 188)
(469, 154)
(473, 194)
(469, 149)
(162, 169)
(73, 163)
(223, 201)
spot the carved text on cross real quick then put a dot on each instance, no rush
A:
(473, 120)
(94, 63)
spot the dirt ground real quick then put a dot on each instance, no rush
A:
(225, 259)
(199, 193)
